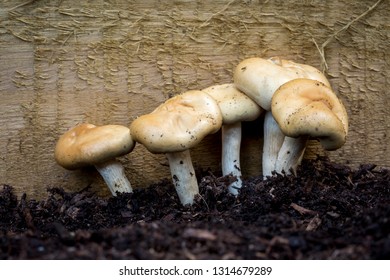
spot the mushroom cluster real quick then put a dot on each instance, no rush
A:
(298, 101)
(260, 79)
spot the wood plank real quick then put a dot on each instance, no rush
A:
(66, 62)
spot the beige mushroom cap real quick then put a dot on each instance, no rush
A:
(235, 105)
(304, 70)
(179, 123)
(87, 144)
(307, 107)
(259, 78)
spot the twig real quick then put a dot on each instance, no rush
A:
(21, 5)
(321, 49)
(314, 224)
(70, 35)
(130, 26)
(217, 13)
(302, 210)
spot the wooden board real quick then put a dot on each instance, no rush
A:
(106, 62)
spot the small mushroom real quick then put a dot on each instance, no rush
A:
(259, 78)
(305, 108)
(235, 107)
(87, 144)
(173, 128)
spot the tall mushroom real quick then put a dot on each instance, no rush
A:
(235, 107)
(173, 128)
(306, 108)
(87, 144)
(259, 78)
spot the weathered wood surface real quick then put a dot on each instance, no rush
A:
(108, 61)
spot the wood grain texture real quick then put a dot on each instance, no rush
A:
(108, 61)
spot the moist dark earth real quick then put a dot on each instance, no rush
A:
(324, 211)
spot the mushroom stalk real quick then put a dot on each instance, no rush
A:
(183, 176)
(291, 154)
(273, 141)
(113, 174)
(231, 143)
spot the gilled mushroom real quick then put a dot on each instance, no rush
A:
(173, 128)
(98, 146)
(235, 107)
(259, 78)
(303, 109)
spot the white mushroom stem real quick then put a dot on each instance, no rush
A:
(183, 176)
(291, 154)
(114, 175)
(273, 140)
(231, 144)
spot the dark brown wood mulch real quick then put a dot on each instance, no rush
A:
(326, 211)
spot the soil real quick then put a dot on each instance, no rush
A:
(324, 211)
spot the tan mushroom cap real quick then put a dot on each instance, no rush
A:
(259, 78)
(87, 144)
(179, 123)
(307, 107)
(304, 70)
(235, 105)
